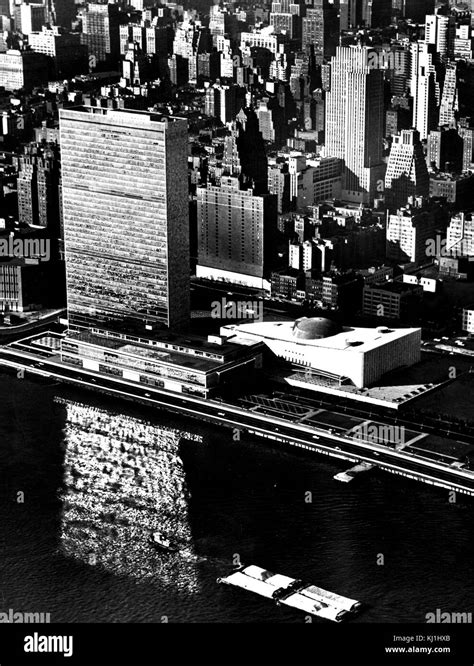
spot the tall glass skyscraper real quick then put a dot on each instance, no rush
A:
(126, 228)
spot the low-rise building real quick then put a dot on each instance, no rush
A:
(392, 300)
(181, 364)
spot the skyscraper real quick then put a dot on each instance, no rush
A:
(347, 13)
(417, 9)
(101, 31)
(354, 121)
(424, 88)
(440, 31)
(126, 230)
(38, 186)
(449, 99)
(407, 173)
(244, 152)
(313, 30)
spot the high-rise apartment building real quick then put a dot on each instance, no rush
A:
(354, 121)
(236, 232)
(125, 209)
(407, 173)
(408, 232)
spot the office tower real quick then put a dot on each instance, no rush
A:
(377, 13)
(417, 9)
(224, 48)
(221, 23)
(6, 8)
(190, 39)
(224, 101)
(61, 12)
(125, 207)
(449, 99)
(424, 88)
(407, 174)
(30, 18)
(283, 19)
(131, 34)
(460, 235)
(69, 56)
(236, 232)
(135, 67)
(271, 120)
(38, 186)
(347, 14)
(354, 121)
(178, 70)
(22, 70)
(445, 150)
(244, 152)
(408, 231)
(440, 31)
(101, 32)
(279, 184)
(467, 135)
(313, 31)
(463, 47)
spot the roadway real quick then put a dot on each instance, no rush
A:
(300, 435)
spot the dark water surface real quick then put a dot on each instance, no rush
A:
(100, 476)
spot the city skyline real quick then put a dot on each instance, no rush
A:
(236, 330)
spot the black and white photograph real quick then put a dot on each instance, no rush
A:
(236, 332)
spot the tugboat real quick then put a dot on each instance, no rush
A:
(161, 543)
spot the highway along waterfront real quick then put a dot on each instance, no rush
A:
(304, 427)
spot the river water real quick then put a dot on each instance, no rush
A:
(85, 480)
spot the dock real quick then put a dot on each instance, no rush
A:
(286, 591)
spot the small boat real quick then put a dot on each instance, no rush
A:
(162, 544)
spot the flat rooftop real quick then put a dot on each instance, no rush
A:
(120, 116)
(172, 357)
(392, 287)
(360, 340)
